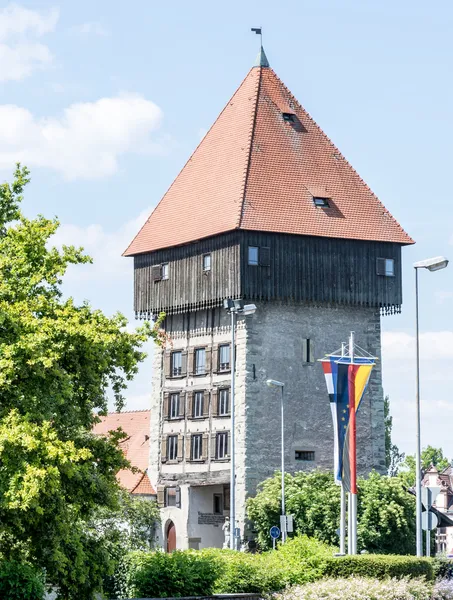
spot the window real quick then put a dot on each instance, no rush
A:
(322, 202)
(385, 266)
(305, 455)
(165, 271)
(224, 357)
(218, 504)
(253, 255)
(221, 445)
(173, 497)
(198, 405)
(308, 355)
(206, 262)
(200, 361)
(172, 447)
(176, 364)
(195, 447)
(289, 117)
(224, 397)
(173, 412)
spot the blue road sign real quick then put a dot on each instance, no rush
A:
(275, 532)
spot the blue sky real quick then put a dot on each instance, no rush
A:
(105, 101)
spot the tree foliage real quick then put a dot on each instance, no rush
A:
(58, 363)
(386, 511)
(393, 457)
(430, 456)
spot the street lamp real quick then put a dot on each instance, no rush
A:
(278, 384)
(234, 307)
(432, 264)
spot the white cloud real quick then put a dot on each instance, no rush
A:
(20, 53)
(92, 28)
(85, 141)
(434, 345)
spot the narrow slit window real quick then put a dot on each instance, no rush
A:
(164, 270)
(206, 262)
(253, 257)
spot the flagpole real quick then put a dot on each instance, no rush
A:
(342, 499)
(352, 451)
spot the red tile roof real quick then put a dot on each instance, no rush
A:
(135, 447)
(254, 170)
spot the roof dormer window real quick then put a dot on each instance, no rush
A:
(289, 117)
(320, 201)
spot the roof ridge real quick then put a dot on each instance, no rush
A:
(349, 165)
(124, 412)
(250, 142)
(189, 159)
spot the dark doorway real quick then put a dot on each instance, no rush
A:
(171, 537)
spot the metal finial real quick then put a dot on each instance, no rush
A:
(261, 59)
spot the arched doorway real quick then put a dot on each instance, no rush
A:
(171, 537)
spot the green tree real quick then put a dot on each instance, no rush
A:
(393, 457)
(58, 362)
(386, 511)
(429, 456)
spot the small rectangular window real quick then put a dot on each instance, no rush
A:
(176, 364)
(164, 270)
(322, 202)
(308, 455)
(308, 355)
(196, 444)
(253, 255)
(172, 447)
(174, 406)
(200, 361)
(198, 405)
(224, 402)
(221, 445)
(170, 496)
(289, 117)
(224, 357)
(206, 262)
(385, 266)
(218, 504)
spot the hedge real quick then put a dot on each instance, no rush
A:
(20, 582)
(301, 560)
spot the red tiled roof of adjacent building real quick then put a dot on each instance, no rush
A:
(135, 447)
(255, 170)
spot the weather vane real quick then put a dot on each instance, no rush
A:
(258, 31)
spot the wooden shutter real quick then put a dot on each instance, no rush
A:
(160, 496)
(190, 397)
(182, 405)
(163, 448)
(156, 272)
(213, 445)
(178, 497)
(167, 364)
(380, 266)
(184, 362)
(204, 446)
(206, 403)
(166, 407)
(265, 256)
(215, 358)
(215, 402)
(188, 453)
(208, 361)
(191, 361)
(180, 447)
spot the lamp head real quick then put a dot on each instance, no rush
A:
(432, 264)
(275, 383)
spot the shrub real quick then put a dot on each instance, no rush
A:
(443, 590)
(443, 568)
(182, 573)
(20, 582)
(360, 588)
(379, 566)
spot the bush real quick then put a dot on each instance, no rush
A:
(361, 588)
(182, 573)
(20, 582)
(443, 568)
(379, 566)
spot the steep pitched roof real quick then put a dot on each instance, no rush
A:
(135, 447)
(255, 170)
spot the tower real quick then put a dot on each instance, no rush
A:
(266, 210)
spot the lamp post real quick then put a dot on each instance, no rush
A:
(234, 307)
(278, 384)
(432, 264)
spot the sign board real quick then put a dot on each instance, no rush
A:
(275, 532)
(429, 521)
(283, 523)
(289, 523)
(429, 495)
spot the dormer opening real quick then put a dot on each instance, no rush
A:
(321, 201)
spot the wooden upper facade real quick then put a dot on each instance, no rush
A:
(268, 266)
